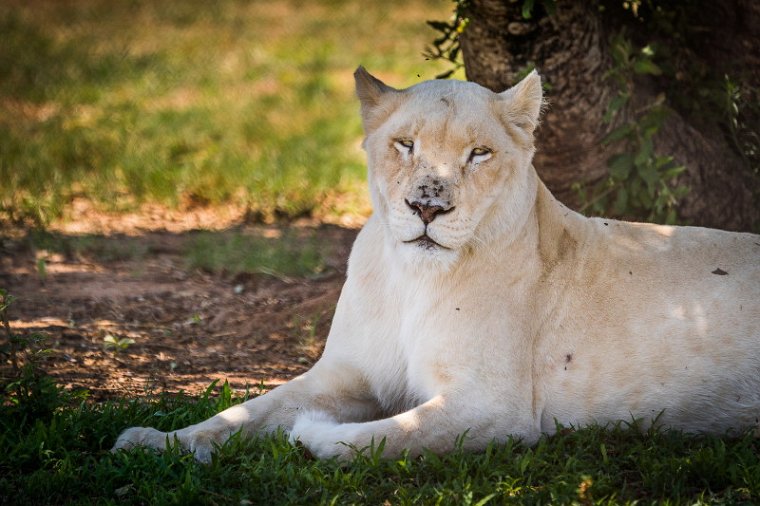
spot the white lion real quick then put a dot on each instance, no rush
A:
(476, 303)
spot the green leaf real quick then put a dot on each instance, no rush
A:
(620, 166)
(618, 102)
(681, 191)
(645, 200)
(672, 172)
(620, 206)
(635, 189)
(619, 133)
(615, 105)
(646, 66)
(621, 51)
(653, 120)
(649, 174)
(483, 501)
(527, 9)
(645, 152)
(663, 161)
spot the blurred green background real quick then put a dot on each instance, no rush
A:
(245, 103)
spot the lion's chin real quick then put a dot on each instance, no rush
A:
(427, 254)
(425, 242)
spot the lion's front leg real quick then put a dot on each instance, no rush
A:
(434, 425)
(319, 389)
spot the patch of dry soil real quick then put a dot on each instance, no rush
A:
(189, 327)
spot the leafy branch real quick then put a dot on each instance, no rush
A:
(641, 183)
(446, 46)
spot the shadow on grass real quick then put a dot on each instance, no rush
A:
(64, 459)
(282, 252)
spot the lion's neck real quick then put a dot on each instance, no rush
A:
(561, 232)
(548, 233)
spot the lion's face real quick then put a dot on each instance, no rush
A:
(448, 162)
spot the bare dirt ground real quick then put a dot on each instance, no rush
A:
(190, 327)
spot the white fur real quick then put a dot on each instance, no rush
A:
(525, 314)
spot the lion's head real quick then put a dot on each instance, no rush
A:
(449, 162)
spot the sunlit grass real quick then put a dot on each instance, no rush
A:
(188, 103)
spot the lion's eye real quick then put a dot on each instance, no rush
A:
(404, 145)
(480, 154)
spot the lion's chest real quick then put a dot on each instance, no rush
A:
(412, 362)
(445, 342)
(426, 340)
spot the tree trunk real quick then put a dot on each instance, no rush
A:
(570, 49)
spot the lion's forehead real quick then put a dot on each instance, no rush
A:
(442, 87)
(461, 107)
(446, 123)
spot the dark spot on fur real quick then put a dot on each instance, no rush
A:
(553, 250)
(719, 272)
(457, 309)
(435, 181)
(605, 223)
(630, 272)
(568, 358)
(443, 99)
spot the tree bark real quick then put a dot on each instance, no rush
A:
(570, 49)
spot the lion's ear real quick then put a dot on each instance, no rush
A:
(378, 100)
(521, 104)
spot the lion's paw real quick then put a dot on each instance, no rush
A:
(321, 435)
(140, 436)
(200, 443)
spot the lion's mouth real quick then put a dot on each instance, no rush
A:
(424, 241)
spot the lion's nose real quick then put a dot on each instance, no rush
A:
(426, 211)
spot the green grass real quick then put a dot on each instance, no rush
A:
(287, 252)
(60, 455)
(185, 103)
(294, 253)
(92, 246)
